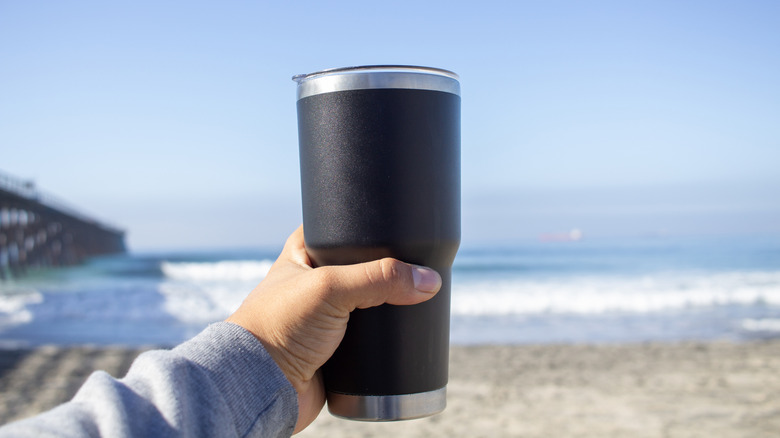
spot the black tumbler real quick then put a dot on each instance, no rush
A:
(380, 177)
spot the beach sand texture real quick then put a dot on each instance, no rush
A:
(644, 390)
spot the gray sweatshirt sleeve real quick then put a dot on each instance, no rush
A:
(222, 383)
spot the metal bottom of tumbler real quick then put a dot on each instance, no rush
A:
(387, 407)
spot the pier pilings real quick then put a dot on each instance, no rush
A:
(38, 231)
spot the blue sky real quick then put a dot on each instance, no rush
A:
(176, 120)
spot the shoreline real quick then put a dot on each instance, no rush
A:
(682, 389)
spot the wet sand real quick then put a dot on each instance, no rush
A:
(642, 390)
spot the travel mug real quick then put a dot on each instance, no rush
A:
(380, 177)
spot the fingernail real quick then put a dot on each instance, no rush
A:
(426, 279)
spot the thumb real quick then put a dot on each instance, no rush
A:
(381, 281)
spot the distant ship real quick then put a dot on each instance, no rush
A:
(572, 235)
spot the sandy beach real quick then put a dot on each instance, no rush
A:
(641, 390)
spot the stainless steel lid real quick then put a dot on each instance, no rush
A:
(377, 76)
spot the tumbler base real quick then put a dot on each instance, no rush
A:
(387, 407)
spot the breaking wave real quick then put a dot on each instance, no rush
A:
(231, 270)
(600, 294)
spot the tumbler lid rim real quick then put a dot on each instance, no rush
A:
(380, 67)
(377, 76)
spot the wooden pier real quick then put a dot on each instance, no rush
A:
(37, 231)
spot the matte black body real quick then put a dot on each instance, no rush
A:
(380, 176)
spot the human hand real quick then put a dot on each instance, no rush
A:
(300, 313)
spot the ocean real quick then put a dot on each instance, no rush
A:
(585, 291)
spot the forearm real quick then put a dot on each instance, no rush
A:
(220, 383)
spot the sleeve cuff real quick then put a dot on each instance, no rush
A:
(255, 389)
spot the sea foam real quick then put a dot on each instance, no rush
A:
(14, 307)
(231, 270)
(202, 292)
(593, 294)
(761, 325)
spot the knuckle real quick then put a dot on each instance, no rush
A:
(390, 270)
